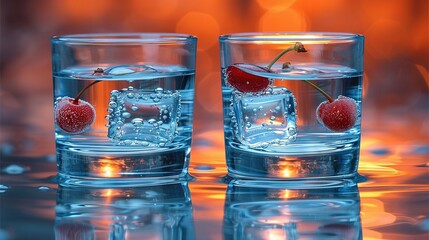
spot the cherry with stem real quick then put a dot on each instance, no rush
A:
(337, 115)
(74, 115)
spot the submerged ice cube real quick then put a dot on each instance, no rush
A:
(141, 117)
(264, 119)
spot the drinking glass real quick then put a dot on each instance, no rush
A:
(123, 107)
(292, 104)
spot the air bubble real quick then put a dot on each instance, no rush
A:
(113, 104)
(137, 122)
(126, 115)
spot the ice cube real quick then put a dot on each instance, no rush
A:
(141, 117)
(264, 119)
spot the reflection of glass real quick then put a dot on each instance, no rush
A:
(257, 211)
(153, 212)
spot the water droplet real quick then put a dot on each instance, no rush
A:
(151, 121)
(159, 90)
(14, 169)
(156, 99)
(3, 188)
(130, 88)
(248, 125)
(134, 108)
(130, 95)
(44, 188)
(144, 143)
(272, 118)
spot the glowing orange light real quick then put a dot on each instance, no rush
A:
(286, 172)
(275, 234)
(287, 169)
(107, 168)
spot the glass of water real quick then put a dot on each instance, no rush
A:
(123, 107)
(292, 104)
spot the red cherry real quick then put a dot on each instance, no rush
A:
(239, 79)
(73, 117)
(339, 115)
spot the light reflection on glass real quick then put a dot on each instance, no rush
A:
(152, 212)
(107, 168)
(268, 211)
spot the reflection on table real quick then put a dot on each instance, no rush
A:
(261, 211)
(152, 212)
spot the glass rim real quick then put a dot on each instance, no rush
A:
(289, 36)
(118, 38)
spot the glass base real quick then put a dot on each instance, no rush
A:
(243, 164)
(72, 181)
(121, 168)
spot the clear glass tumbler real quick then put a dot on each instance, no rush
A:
(123, 107)
(292, 104)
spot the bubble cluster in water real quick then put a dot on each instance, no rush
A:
(142, 117)
(264, 119)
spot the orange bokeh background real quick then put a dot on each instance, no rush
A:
(396, 82)
(396, 53)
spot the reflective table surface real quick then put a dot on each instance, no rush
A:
(388, 200)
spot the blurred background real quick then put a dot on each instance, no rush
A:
(396, 82)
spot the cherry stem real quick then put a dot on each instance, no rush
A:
(299, 47)
(320, 90)
(98, 71)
